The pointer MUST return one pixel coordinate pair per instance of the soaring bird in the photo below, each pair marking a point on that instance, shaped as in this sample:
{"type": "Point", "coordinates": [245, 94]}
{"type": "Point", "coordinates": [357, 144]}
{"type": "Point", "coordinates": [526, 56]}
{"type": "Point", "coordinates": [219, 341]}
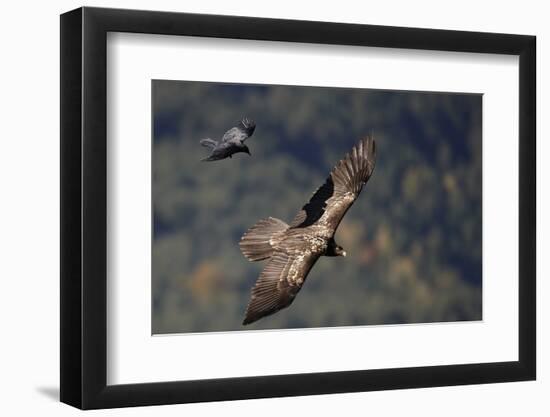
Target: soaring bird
{"type": "Point", "coordinates": [292, 249]}
{"type": "Point", "coordinates": [231, 142]}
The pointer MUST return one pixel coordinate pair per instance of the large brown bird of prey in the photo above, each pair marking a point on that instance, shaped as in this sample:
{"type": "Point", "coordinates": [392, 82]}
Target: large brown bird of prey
{"type": "Point", "coordinates": [292, 249]}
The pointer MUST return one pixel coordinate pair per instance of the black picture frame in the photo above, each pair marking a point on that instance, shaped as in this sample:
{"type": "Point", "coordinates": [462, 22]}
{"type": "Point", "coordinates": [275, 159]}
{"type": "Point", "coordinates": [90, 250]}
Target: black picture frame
{"type": "Point", "coordinates": [84, 207]}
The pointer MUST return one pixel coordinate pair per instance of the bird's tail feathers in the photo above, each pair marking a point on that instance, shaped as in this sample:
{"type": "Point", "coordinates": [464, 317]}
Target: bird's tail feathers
{"type": "Point", "coordinates": [208, 143]}
{"type": "Point", "coordinates": [256, 243]}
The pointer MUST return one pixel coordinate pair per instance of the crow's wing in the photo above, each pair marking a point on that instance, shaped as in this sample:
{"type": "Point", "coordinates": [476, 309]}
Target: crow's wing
{"type": "Point", "coordinates": [234, 135]}
{"type": "Point", "coordinates": [331, 201]}
{"type": "Point", "coordinates": [278, 284]}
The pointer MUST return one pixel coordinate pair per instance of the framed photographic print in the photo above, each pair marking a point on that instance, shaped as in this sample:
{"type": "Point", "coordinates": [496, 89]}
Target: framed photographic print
{"type": "Point", "coordinates": [258, 208]}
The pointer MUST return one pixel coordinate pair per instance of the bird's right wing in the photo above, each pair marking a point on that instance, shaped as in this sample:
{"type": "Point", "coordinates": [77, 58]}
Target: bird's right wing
{"type": "Point", "coordinates": [233, 135]}
{"type": "Point", "coordinates": [278, 284]}
{"type": "Point", "coordinates": [331, 201]}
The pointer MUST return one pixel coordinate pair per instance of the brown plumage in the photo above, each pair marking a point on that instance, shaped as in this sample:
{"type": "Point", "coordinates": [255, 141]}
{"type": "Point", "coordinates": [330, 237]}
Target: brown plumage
{"type": "Point", "coordinates": [293, 249]}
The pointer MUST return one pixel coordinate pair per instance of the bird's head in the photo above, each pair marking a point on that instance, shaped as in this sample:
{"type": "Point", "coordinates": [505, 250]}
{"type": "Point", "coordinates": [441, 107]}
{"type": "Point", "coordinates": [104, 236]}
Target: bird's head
{"type": "Point", "coordinates": [248, 125]}
{"type": "Point", "coordinates": [339, 251]}
{"type": "Point", "coordinates": [334, 249]}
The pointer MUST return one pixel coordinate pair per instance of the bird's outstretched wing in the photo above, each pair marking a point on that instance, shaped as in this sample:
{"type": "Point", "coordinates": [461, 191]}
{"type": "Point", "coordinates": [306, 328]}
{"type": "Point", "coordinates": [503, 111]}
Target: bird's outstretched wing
{"type": "Point", "coordinates": [244, 129]}
{"type": "Point", "coordinates": [232, 135]}
{"type": "Point", "coordinates": [278, 284]}
{"type": "Point", "coordinates": [331, 201]}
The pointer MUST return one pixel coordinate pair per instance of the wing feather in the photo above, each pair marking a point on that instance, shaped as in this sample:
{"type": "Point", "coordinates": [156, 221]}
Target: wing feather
{"type": "Point", "coordinates": [233, 135]}
{"type": "Point", "coordinates": [331, 201]}
{"type": "Point", "coordinates": [278, 284]}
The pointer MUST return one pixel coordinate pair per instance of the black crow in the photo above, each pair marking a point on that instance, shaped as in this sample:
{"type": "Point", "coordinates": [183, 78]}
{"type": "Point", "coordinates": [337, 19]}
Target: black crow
{"type": "Point", "coordinates": [232, 141]}
{"type": "Point", "coordinates": [293, 249]}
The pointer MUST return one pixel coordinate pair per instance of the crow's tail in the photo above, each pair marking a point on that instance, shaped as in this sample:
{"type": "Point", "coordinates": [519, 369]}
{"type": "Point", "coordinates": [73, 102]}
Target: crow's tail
{"type": "Point", "coordinates": [208, 143]}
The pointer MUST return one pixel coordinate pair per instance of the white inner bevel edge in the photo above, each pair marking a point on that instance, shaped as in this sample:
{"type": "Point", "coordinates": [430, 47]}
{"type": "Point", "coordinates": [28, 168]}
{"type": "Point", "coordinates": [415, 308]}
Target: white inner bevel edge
{"type": "Point", "coordinates": [135, 356]}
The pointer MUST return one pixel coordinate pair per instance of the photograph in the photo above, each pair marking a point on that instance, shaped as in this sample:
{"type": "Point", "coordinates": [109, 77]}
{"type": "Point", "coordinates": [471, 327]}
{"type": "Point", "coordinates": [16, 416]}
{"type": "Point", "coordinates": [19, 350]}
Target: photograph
{"type": "Point", "coordinates": [314, 209]}
{"type": "Point", "coordinates": [291, 207]}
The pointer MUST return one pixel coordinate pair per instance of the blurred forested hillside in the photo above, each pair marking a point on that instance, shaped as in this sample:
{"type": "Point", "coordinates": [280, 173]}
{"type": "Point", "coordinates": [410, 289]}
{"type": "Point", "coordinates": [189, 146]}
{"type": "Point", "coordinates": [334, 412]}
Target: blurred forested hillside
{"type": "Point", "coordinates": [413, 237]}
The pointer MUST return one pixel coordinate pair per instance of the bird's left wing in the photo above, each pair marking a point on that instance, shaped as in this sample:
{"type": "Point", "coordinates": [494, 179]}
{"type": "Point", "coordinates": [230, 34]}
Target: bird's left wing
{"type": "Point", "coordinates": [331, 201]}
{"type": "Point", "coordinates": [278, 284]}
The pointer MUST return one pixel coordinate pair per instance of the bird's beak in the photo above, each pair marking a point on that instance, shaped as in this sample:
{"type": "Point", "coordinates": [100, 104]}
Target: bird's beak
{"type": "Point", "coordinates": [344, 253]}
